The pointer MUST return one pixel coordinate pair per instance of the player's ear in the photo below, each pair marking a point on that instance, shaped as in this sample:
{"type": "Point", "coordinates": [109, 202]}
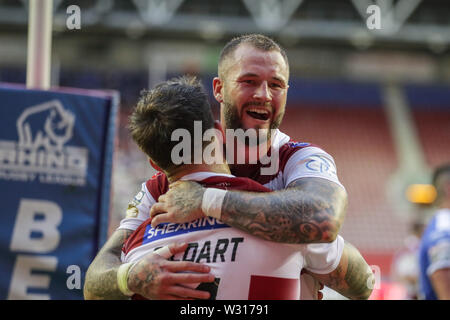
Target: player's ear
{"type": "Point", "coordinates": [217, 89]}
{"type": "Point", "coordinates": [154, 165]}
{"type": "Point", "coordinates": [219, 127]}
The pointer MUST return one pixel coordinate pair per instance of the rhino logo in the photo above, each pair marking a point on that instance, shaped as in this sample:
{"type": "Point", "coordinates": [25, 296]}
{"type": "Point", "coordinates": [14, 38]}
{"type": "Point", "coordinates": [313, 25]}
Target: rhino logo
{"type": "Point", "coordinates": [46, 125]}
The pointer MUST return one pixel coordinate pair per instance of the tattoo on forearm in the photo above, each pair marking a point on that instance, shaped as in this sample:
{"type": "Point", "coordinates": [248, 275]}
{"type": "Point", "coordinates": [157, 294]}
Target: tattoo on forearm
{"type": "Point", "coordinates": [309, 210]}
{"type": "Point", "coordinates": [147, 275]}
{"type": "Point", "coordinates": [352, 278]}
{"type": "Point", "coordinates": [101, 277]}
{"type": "Point", "coordinates": [188, 204]}
{"type": "Point", "coordinates": [358, 277]}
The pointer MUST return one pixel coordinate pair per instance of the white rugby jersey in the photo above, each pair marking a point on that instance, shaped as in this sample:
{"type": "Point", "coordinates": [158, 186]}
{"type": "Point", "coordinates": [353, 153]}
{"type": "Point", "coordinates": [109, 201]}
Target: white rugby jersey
{"type": "Point", "coordinates": [295, 160]}
{"type": "Point", "coordinates": [245, 267]}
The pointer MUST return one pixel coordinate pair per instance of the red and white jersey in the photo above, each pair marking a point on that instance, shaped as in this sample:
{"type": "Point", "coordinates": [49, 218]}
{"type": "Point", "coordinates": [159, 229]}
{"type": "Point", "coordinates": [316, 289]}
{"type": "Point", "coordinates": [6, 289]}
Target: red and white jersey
{"type": "Point", "coordinates": [245, 267]}
{"type": "Point", "coordinates": [295, 160]}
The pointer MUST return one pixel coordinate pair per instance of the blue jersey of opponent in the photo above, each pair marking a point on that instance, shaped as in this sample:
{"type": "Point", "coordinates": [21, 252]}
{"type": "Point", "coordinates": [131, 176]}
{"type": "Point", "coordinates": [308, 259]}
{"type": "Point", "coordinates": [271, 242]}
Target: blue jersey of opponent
{"type": "Point", "coordinates": [434, 252]}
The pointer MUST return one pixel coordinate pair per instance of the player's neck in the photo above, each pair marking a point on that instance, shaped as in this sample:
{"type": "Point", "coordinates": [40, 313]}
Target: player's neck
{"type": "Point", "coordinates": [188, 169]}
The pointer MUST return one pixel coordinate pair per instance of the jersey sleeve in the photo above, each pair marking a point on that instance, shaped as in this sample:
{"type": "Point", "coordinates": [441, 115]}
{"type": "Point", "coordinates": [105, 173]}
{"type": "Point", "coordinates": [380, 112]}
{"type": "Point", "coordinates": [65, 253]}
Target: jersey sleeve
{"type": "Point", "coordinates": [439, 248]}
{"type": "Point", "coordinates": [138, 209]}
{"type": "Point", "coordinates": [323, 258]}
{"type": "Point", "coordinates": [310, 162]}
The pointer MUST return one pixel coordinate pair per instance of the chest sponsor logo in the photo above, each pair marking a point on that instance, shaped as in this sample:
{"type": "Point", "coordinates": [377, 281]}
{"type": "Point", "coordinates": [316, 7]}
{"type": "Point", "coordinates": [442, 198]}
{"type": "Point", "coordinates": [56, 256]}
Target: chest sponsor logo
{"type": "Point", "coordinates": [174, 229]}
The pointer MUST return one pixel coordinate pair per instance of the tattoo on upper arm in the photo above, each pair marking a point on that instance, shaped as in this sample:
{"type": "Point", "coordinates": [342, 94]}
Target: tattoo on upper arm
{"type": "Point", "coordinates": [117, 240]}
{"type": "Point", "coordinates": [309, 210]}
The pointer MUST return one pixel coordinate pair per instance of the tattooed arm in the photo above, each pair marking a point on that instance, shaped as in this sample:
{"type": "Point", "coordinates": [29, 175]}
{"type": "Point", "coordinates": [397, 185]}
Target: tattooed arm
{"type": "Point", "coordinates": [352, 278]}
{"type": "Point", "coordinates": [101, 276]}
{"type": "Point", "coordinates": [153, 277]}
{"type": "Point", "coordinates": [309, 210]}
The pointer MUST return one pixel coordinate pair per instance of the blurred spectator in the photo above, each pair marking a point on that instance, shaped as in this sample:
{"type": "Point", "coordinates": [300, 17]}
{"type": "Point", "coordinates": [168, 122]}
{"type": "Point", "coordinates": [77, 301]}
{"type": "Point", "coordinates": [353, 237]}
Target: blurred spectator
{"type": "Point", "coordinates": [434, 254]}
{"type": "Point", "coordinates": [405, 264]}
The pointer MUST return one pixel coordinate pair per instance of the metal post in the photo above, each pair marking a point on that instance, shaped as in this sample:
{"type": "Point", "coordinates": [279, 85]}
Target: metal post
{"type": "Point", "coordinates": [39, 44]}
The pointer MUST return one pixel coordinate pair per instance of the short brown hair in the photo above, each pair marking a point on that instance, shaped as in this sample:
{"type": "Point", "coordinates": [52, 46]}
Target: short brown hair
{"type": "Point", "coordinates": [258, 41]}
{"type": "Point", "coordinates": [171, 105]}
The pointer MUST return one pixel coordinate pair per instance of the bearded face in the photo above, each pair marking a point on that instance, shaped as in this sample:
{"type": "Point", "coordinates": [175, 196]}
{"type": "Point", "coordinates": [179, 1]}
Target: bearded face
{"type": "Point", "coordinates": [232, 120]}
{"type": "Point", "coordinates": [254, 90]}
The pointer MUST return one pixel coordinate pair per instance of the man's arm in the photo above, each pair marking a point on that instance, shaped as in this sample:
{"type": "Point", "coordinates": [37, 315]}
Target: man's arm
{"type": "Point", "coordinates": [438, 253]}
{"type": "Point", "coordinates": [309, 210]}
{"type": "Point", "coordinates": [153, 277]}
{"type": "Point", "coordinates": [101, 276]}
{"type": "Point", "coordinates": [352, 278]}
{"type": "Point", "coordinates": [440, 279]}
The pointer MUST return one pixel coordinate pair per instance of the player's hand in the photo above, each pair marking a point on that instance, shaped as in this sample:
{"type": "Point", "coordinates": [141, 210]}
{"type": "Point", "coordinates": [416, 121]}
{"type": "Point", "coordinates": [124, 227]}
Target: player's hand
{"type": "Point", "coordinates": [182, 203]}
{"type": "Point", "coordinates": [156, 278]}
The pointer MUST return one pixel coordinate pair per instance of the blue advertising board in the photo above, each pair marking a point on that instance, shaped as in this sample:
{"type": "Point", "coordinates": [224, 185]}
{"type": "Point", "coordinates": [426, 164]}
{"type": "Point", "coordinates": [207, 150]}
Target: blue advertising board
{"type": "Point", "coordinates": [56, 151]}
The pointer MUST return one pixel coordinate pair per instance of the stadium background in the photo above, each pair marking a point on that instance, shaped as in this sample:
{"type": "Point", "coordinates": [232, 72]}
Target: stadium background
{"type": "Point", "coordinates": [377, 100]}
